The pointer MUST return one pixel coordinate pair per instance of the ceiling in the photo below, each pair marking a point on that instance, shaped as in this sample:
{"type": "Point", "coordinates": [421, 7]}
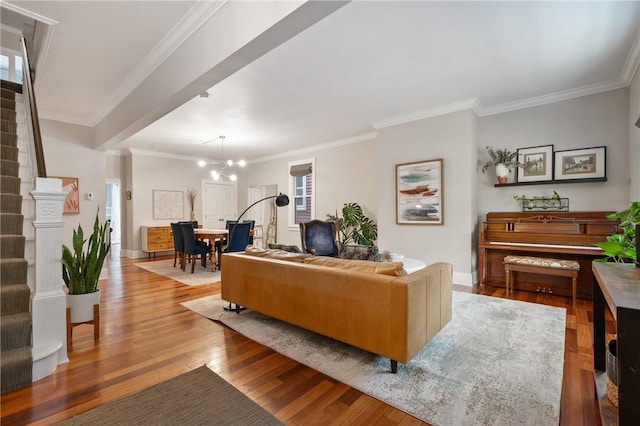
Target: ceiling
{"type": "Point", "coordinates": [368, 65]}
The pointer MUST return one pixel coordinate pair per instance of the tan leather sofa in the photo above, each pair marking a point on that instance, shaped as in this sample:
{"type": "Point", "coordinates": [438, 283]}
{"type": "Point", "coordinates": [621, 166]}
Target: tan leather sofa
{"type": "Point", "coordinates": [393, 316]}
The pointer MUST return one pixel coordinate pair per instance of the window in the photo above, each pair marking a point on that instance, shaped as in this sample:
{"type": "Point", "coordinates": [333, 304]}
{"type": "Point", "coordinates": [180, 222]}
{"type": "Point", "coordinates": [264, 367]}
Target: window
{"type": "Point", "coordinates": [302, 191]}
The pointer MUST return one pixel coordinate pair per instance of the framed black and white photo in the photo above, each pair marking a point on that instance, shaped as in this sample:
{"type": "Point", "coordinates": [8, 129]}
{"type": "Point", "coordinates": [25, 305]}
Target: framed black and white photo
{"type": "Point", "coordinates": [536, 163]}
{"type": "Point", "coordinates": [585, 163]}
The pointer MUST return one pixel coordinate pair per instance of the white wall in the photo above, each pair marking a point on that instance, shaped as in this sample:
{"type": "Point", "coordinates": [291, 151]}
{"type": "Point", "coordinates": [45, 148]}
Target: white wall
{"type": "Point", "coordinates": [154, 172]}
{"type": "Point", "coordinates": [452, 138]}
{"type": "Point", "coordinates": [589, 121]}
{"type": "Point", "coordinates": [634, 138]}
{"type": "Point", "coordinates": [67, 154]}
{"type": "Point", "coordinates": [343, 174]}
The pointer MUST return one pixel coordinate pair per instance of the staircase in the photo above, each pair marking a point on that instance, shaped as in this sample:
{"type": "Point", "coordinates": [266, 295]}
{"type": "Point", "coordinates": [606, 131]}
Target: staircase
{"type": "Point", "coordinates": [15, 295]}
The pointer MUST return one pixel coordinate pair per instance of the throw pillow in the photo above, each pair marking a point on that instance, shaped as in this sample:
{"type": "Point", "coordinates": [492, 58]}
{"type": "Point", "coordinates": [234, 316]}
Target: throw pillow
{"type": "Point", "coordinates": [355, 251]}
{"type": "Point", "coordinates": [386, 268]}
{"type": "Point", "coordinates": [292, 249]}
{"type": "Point", "coordinates": [275, 254]}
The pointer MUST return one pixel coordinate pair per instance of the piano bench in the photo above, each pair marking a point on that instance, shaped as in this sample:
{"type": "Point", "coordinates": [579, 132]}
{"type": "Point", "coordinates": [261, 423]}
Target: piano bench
{"type": "Point", "coordinates": [541, 265]}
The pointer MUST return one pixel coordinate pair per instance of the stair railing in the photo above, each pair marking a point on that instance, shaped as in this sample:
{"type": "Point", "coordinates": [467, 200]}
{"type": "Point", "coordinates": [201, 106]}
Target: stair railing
{"type": "Point", "coordinates": [33, 126]}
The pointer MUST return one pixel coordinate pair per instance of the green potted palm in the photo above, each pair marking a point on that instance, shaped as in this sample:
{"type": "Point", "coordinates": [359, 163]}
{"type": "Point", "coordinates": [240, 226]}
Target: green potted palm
{"type": "Point", "coordinates": [357, 234]}
{"type": "Point", "coordinates": [81, 270]}
{"type": "Point", "coordinates": [621, 247]}
{"type": "Point", "coordinates": [503, 161]}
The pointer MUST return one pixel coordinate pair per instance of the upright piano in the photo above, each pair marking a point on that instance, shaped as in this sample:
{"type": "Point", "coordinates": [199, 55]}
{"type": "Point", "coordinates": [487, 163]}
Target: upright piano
{"type": "Point", "coordinates": [558, 235]}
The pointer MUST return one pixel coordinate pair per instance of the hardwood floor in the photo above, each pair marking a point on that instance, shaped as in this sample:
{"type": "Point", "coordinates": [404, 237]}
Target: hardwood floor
{"type": "Point", "coordinates": [148, 337]}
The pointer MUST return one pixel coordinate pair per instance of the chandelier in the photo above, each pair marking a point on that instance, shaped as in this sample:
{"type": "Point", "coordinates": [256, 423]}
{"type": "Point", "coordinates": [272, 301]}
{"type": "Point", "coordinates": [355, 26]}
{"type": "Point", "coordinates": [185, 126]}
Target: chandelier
{"type": "Point", "coordinates": [219, 170]}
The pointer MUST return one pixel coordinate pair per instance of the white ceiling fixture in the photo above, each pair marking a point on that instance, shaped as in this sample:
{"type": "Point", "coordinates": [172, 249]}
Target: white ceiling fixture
{"type": "Point", "coordinates": [218, 173]}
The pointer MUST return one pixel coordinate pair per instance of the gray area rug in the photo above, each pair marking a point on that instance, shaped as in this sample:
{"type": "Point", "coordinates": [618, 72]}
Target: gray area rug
{"type": "Point", "coordinates": [199, 397]}
{"type": "Point", "coordinates": [499, 361]}
{"type": "Point", "coordinates": [200, 276]}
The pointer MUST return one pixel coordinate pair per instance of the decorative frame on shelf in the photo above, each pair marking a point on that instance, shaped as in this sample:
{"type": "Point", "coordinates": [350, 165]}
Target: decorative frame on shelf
{"type": "Point", "coordinates": [537, 163]}
{"type": "Point", "coordinates": [70, 186]}
{"type": "Point", "coordinates": [419, 193]}
{"type": "Point", "coordinates": [168, 204]}
{"type": "Point", "coordinates": [585, 163]}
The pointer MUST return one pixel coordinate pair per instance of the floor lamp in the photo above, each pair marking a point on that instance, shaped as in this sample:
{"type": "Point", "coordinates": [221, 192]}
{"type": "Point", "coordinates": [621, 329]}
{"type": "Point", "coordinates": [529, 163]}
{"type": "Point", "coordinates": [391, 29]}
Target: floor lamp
{"type": "Point", "coordinates": [281, 201]}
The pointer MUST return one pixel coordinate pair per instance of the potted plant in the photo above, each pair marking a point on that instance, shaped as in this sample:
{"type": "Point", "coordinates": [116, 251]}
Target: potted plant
{"type": "Point", "coordinates": [503, 160]}
{"type": "Point", "coordinates": [354, 227]}
{"type": "Point", "coordinates": [81, 270]}
{"type": "Point", "coordinates": [621, 247]}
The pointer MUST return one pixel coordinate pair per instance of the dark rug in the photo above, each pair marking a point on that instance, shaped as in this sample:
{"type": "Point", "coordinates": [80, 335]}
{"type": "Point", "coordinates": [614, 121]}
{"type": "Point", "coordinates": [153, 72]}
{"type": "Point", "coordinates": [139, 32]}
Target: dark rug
{"type": "Point", "coordinates": [199, 397]}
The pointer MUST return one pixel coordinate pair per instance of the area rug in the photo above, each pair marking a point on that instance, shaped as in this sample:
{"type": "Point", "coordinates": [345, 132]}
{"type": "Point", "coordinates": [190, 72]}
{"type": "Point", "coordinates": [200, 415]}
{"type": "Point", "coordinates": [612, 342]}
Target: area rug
{"type": "Point", "coordinates": [200, 276]}
{"type": "Point", "coordinates": [199, 397]}
{"type": "Point", "coordinates": [497, 362]}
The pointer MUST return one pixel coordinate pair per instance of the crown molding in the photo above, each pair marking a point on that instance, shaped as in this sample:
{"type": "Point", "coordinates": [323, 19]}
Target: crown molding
{"type": "Point", "coordinates": [157, 154]}
{"type": "Point", "coordinates": [54, 116]}
{"type": "Point", "coordinates": [28, 13]}
{"type": "Point", "coordinates": [321, 147]}
{"type": "Point", "coordinates": [428, 113]}
{"type": "Point", "coordinates": [553, 97]}
{"type": "Point", "coordinates": [44, 33]}
{"type": "Point", "coordinates": [633, 60]}
{"type": "Point", "coordinates": [11, 30]}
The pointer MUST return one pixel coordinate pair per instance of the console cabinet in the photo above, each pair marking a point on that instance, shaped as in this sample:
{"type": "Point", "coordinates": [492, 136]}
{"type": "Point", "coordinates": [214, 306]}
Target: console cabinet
{"type": "Point", "coordinates": [156, 238]}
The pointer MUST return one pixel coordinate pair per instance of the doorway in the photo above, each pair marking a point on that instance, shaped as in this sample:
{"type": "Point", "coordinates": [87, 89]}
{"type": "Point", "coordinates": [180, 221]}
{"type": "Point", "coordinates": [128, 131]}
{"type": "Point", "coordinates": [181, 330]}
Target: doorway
{"type": "Point", "coordinates": [218, 204]}
{"type": "Point", "coordinates": [113, 207]}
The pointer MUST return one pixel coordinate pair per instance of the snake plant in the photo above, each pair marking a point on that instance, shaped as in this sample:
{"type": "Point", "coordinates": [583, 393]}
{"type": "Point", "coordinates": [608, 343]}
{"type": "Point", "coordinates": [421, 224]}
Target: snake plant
{"type": "Point", "coordinates": [80, 269]}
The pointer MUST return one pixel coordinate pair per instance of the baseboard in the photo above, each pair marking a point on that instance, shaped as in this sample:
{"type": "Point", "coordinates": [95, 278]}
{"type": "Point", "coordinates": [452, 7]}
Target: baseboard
{"type": "Point", "coordinates": [463, 278]}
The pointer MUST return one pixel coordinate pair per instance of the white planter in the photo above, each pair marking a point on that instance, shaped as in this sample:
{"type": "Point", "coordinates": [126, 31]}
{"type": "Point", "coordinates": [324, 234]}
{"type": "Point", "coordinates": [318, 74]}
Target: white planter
{"type": "Point", "coordinates": [502, 173]}
{"type": "Point", "coordinates": [82, 306]}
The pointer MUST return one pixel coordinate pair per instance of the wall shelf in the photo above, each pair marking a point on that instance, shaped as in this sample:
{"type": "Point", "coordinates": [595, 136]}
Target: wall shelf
{"type": "Point", "coordinates": [552, 182]}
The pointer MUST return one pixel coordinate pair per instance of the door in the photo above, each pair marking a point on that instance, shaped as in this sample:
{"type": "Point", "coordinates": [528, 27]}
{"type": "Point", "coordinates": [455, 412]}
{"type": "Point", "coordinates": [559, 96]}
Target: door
{"type": "Point", "coordinates": [219, 204]}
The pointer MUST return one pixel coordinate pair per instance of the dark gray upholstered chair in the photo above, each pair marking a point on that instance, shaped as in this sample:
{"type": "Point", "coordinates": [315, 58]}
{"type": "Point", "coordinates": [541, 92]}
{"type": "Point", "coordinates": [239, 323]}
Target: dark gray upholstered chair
{"type": "Point", "coordinates": [178, 245]}
{"type": "Point", "coordinates": [192, 247]}
{"type": "Point", "coordinates": [319, 238]}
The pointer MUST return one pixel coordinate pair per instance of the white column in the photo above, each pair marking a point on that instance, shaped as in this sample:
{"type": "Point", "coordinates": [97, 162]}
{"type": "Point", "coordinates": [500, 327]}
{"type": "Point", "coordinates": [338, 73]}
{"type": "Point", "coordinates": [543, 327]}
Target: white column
{"type": "Point", "coordinates": [49, 301]}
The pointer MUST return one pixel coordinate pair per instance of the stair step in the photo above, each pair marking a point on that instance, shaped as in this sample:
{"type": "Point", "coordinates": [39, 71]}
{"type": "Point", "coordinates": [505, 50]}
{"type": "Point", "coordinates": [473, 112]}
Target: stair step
{"type": "Point", "coordinates": [10, 184]}
{"type": "Point", "coordinates": [14, 299]}
{"type": "Point", "coordinates": [8, 126]}
{"type": "Point", "coordinates": [11, 224]}
{"type": "Point", "coordinates": [16, 367]}
{"type": "Point", "coordinates": [15, 331]}
{"type": "Point", "coordinates": [9, 168]}
{"type": "Point", "coordinates": [9, 139]}
{"type": "Point", "coordinates": [8, 152]}
{"type": "Point", "coordinates": [13, 270]}
{"type": "Point", "coordinates": [11, 85]}
{"type": "Point", "coordinates": [11, 246]}
{"type": "Point", "coordinates": [8, 104]}
{"type": "Point", "coordinates": [8, 94]}
{"type": "Point", "coordinates": [8, 115]}
{"type": "Point", "coordinates": [11, 203]}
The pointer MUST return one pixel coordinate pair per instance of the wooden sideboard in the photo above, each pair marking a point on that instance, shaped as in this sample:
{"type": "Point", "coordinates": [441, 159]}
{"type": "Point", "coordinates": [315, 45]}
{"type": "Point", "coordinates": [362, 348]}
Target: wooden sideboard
{"type": "Point", "coordinates": [617, 286]}
{"type": "Point", "coordinates": [156, 238]}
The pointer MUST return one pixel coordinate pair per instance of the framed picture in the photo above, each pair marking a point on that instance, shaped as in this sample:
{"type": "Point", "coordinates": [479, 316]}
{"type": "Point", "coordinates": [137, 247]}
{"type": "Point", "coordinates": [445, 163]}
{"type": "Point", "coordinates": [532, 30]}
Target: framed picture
{"type": "Point", "coordinates": [419, 193]}
{"type": "Point", "coordinates": [168, 204]}
{"type": "Point", "coordinates": [71, 203]}
{"type": "Point", "coordinates": [586, 163]}
{"type": "Point", "coordinates": [537, 163]}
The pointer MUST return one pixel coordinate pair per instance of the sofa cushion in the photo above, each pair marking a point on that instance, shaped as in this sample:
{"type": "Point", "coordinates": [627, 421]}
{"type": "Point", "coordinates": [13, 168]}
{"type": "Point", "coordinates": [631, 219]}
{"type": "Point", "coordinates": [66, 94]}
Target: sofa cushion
{"type": "Point", "coordinates": [292, 249]}
{"type": "Point", "coordinates": [385, 268]}
{"type": "Point", "coordinates": [275, 254]}
{"type": "Point", "coordinates": [355, 251]}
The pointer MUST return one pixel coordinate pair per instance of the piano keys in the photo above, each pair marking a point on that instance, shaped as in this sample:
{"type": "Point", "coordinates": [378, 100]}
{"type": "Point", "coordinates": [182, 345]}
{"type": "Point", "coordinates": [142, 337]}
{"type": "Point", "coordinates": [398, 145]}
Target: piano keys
{"type": "Point", "coordinates": [559, 235]}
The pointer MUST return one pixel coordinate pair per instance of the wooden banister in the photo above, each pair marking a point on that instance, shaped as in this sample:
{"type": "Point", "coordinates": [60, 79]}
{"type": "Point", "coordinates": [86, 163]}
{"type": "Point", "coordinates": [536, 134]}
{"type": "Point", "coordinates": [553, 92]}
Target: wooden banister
{"type": "Point", "coordinates": [33, 111]}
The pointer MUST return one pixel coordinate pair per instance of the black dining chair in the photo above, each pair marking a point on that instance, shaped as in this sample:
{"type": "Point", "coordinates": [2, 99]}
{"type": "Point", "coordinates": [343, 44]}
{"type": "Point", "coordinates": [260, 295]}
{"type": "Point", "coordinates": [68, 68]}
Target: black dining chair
{"type": "Point", "coordinates": [319, 238]}
{"type": "Point", "coordinates": [193, 247]}
{"type": "Point", "coordinates": [178, 245]}
{"type": "Point", "coordinates": [238, 239]}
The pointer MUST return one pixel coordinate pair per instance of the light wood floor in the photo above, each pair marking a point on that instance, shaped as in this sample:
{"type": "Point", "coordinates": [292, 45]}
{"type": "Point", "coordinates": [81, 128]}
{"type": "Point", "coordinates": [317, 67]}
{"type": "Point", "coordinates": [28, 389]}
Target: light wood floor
{"type": "Point", "coordinates": [148, 337]}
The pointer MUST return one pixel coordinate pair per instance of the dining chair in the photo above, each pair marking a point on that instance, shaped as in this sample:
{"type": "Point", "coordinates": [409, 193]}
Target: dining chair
{"type": "Point", "coordinates": [319, 238]}
{"type": "Point", "coordinates": [193, 247]}
{"type": "Point", "coordinates": [253, 224]}
{"type": "Point", "coordinates": [178, 245]}
{"type": "Point", "coordinates": [236, 242]}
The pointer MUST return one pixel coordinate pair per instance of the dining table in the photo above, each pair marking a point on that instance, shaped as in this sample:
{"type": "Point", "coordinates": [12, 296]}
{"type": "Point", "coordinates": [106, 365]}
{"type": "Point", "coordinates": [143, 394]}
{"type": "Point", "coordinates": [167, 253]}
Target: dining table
{"type": "Point", "coordinates": [213, 235]}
